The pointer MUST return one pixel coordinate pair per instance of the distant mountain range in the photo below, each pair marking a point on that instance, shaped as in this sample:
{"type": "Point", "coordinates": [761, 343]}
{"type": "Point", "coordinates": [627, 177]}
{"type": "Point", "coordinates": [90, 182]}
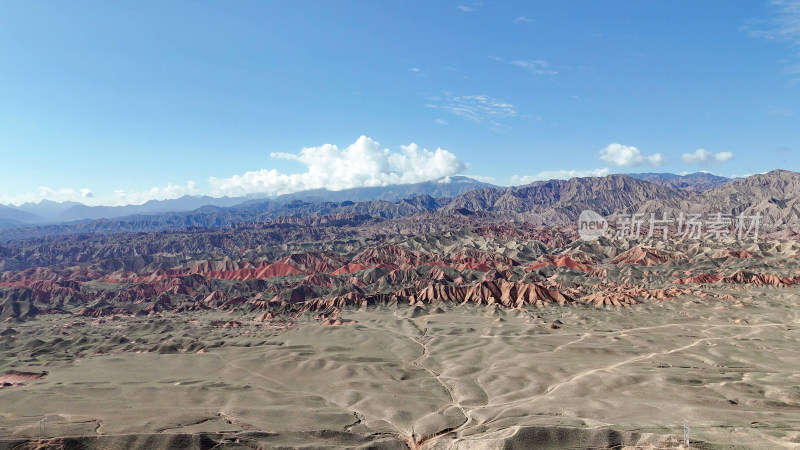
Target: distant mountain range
{"type": "Point", "coordinates": [13, 217]}
{"type": "Point", "coordinates": [50, 212]}
{"type": "Point", "coordinates": [695, 182]}
{"type": "Point", "coordinates": [774, 195]}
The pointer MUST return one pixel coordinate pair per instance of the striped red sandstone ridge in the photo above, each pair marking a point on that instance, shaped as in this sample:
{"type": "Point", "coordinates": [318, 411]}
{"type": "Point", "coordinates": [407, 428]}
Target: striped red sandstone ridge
{"type": "Point", "coordinates": [647, 256]}
{"type": "Point", "coordinates": [741, 277]}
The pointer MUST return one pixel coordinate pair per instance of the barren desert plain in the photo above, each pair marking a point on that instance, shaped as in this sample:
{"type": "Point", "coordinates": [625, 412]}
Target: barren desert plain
{"type": "Point", "coordinates": [442, 330]}
{"type": "Point", "coordinates": [447, 376]}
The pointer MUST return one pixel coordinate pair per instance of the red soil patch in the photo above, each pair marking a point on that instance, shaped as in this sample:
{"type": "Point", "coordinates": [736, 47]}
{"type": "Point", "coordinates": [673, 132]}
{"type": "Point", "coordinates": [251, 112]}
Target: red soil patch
{"type": "Point", "coordinates": [16, 378]}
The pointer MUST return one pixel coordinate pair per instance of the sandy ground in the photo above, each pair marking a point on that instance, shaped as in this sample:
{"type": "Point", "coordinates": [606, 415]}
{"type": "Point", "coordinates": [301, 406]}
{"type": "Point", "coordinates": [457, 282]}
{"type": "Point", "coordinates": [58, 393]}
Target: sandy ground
{"type": "Point", "coordinates": [436, 377]}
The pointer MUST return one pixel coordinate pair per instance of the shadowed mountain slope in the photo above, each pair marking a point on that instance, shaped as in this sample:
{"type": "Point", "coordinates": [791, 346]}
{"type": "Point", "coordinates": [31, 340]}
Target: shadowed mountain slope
{"type": "Point", "coordinates": [693, 182]}
{"type": "Point", "coordinates": [774, 195]}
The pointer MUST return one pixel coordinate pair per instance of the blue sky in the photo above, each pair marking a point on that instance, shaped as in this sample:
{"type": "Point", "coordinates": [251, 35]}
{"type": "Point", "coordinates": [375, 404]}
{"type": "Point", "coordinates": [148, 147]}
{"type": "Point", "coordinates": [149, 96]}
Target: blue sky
{"type": "Point", "coordinates": [110, 103]}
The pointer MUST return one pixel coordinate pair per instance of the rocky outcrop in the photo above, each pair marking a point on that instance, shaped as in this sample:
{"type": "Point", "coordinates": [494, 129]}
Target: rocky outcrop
{"type": "Point", "coordinates": [500, 257]}
{"type": "Point", "coordinates": [646, 256]}
{"type": "Point", "coordinates": [701, 278]}
{"type": "Point", "coordinates": [499, 292]}
{"type": "Point", "coordinates": [613, 294]}
{"type": "Point", "coordinates": [575, 261]}
{"type": "Point", "coordinates": [726, 253]}
{"type": "Point", "coordinates": [741, 277]}
{"type": "Point", "coordinates": [17, 310]}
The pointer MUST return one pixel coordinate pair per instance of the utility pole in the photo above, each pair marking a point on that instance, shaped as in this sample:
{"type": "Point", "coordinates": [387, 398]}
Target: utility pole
{"type": "Point", "coordinates": [43, 426]}
{"type": "Point", "coordinates": [686, 431]}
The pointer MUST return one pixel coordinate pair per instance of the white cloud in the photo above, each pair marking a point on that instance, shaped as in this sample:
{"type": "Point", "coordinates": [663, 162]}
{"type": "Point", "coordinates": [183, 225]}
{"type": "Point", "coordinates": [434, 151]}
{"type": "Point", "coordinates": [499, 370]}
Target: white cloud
{"type": "Point", "coordinates": [704, 157]}
{"type": "Point", "coordinates": [522, 19]}
{"type": "Point", "coordinates": [780, 112]}
{"type": "Point", "coordinates": [472, 7]}
{"type": "Point", "coordinates": [480, 109]}
{"type": "Point", "coordinates": [517, 180]}
{"type": "Point", "coordinates": [537, 66]}
{"type": "Point", "coordinates": [783, 26]}
{"type": "Point", "coordinates": [624, 155]}
{"type": "Point", "coordinates": [441, 121]}
{"type": "Point", "coordinates": [414, 69]}
{"type": "Point", "coordinates": [44, 192]}
{"type": "Point", "coordinates": [363, 163]}
{"type": "Point", "coordinates": [88, 197]}
{"type": "Point", "coordinates": [169, 191]}
{"type": "Point", "coordinates": [483, 179]}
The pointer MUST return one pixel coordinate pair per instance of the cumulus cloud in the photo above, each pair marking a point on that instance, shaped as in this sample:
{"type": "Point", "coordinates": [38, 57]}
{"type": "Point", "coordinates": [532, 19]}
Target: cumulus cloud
{"type": "Point", "coordinates": [517, 180]}
{"type": "Point", "coordinates": [362, 164]}
{"type": "Point", "coordinates": [536, 66]}
{"type": "Point", "coordinates": [522, 19]}
{"type": "Point", "coordinates": [704, 157]}
{"type": "Point", "coordinates": [624, 155]}
{"type": "Point", "coordinates": [481, 109]}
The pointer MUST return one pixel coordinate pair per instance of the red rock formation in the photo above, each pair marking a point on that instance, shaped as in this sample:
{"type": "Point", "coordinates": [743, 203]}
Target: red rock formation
{"type": "Point", "coordinates": [266, 317]}
{"type": "Point", "coordinates": [351, 299]}
{"type": "Point", "coordinates": [759, 279]}
{"type": "Point", "coordinates": [318, 279]}
{"type": "Point", "coordinates": [226, 270]}
{"type": "Point", "coordinates": [348, 268]}
{"type": "Point", "coordinates": [214, 297]}
{"type": "Point", "coordinates": [315, 262]}
{"type": "Point", "coordinates": [646, 256]}
{"type": "Point", "coordinates": [599, 273]}
{"type": "Point", "coordinates": [725, 253]}
{"type": "Point", "coordinates": [234, 301]}
{"type": "Point", "coordinates": [355, 281]}
{"type": "Point", "coordinates": [741, 277]}
{"type": "Point", "coordinates": [576, 261]}
{"type": "Point", "coordinates": [262, 271]}
{"type": "Point", "coordinates": [613, 294]}
{"type": "Point", "coordinates": [502, 292]}
{"type": "Point", "coordinates": [701, 278]}
{"type": "Point", "coordinates": [16, 378]}
{"type": "Point", "coordinates": [392, 255]}
{"type": "Point", "coordinates": [223, 324]}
